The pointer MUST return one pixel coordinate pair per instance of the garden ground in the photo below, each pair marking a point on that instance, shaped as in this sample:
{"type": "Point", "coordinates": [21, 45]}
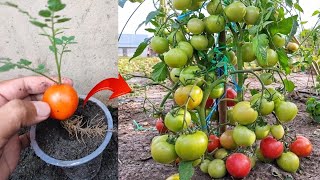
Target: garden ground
{"type": "Point", "coordinates": [135, 160]}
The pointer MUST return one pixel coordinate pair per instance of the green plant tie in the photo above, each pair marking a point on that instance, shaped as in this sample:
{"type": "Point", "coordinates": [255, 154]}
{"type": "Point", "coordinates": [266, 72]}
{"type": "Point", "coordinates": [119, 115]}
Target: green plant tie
{"type": "Point", "coordinates": [138, 127]}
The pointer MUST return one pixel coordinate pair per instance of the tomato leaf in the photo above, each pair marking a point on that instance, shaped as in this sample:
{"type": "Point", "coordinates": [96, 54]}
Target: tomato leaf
{"type": "Point", "coordinates": [41, 68]}
{"type": "Point", "coordinates": [298, 7]}
{"type": "Point", "coordinates": [289, 3]}
{"type": "Point", "coordinates": [38, 24]}
{"type": "Point", "coordinates": [160, 72]}
{"type": "Point", "coordinates": [316, 12]}
{"type": "Point", "coordinates": [260, 45]}
{"type": "Point", "coordinates": [55, 5]}
{"type": "Point", "coordinates": [45, 13]}
{"type": "Point", "coordinates": [285, 26]}
{"type": "Point", "coordinates": [24, 62]}
{"type": "Point", "coordinates": [7, 67]}
{"type": "Point", "coordinates": [186, 170]}
{"type": "Point", "coordinates": [289, 85]}
{"type": "Point", "coordinates": [284, 60]}
{"type": "Point", "coordinates": [121, 3]}
{"type": "Point", "coordinates": [142, 46]}
{"type": "Point", "coordinates": [63, 20]}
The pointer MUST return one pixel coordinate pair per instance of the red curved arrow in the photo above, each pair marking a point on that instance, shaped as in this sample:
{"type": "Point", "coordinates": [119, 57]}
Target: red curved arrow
{"type": "Point", "coordinates": [118, 86]}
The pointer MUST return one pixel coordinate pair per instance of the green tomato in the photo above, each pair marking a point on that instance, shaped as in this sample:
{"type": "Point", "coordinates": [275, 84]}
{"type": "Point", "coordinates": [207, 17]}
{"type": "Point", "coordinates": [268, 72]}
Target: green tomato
{"type": "Point", "coordinates": [190, 74]}
{"type": "Point", "coordinates": [232, 57]}
{"type": "Point", "coordinates": [195, 5]}
{"type": "Point", "coordinates": [248, 54]}
{"type": "Point", "coordinates": [175, 74]}
{"type": "Point", "coordinates": [272, 59]}
{"type": "Point", "coordinates": [243, 113]}
{"type": "Point", "coordinates": [162, 151]}
{"type": "Point", "coordinates": [214, 7]}
{"type": "Point", "coordinates": [289, 162]}
{"type": "Point", "coordinates": [266, 106]}
{"type": "Point", "coordinates": [199, 42]}
{"type": "Point", "coordinates": [235, 11]}
{"type": "Point", "coordinates": [277, 131]}
{"type": "Point", "coordinates": [186, 47]}
{"type": "Point", "coordinates": [159, 44]}
{"type": "Point", "coordinates": [262, 131]}
{"type": "Point", "coordinates": [214, 24]}
{"type": "Point", "coordinates": [195, 26]}
{"type": "Point", "coordinates": [217, 91]}
{"type": "Point", "coordinates": [183, 93]}
{"type": "Point", "coordinates": [276, 96]}
{"type": "Point", "coordinates": [260, 156]}
{"type": "Point", "coordinates": [286, 111]}
{"type": "Point", "coordinates": [191, 146]}
{"type": "Point", "coordinates": [210, 38]}
{"type": "Point", "coordinates": [252, 15]}
{"type": "Point", "coordinates": [278, 40]}
{"type": "Point", "coordinates": [176, 37]}
{"type": "Point", "coordinates": [196, 162]}
{"type": "Point", "coordinates": [243, 136]}
{"type": "Point", "coordinates": [230, 117]}
{"type": "Point", "coordinates": [204, 166]}
{"type": "Point", "coordinates": [175, 58]}
{"type": "Point", "coordinates": [221, 153]}
{"type": "Point", "coordinates": [217, 168]}
{"type": "Point", "coordinates": [174, 120]}
{"type": "Point", "coordinates": [266, 78]}
{"type": "Point", "coordinates": [181, 4]}
{"type": "Point", "coordinates": [253, 160]}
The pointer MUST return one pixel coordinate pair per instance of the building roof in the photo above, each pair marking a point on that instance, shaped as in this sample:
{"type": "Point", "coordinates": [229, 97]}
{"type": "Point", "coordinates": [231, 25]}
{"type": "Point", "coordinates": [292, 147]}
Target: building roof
{"type": "Point", "coordinates": [131, 40]}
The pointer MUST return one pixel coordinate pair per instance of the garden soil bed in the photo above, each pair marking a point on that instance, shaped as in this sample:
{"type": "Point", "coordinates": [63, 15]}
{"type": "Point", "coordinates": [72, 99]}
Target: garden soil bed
{"type": "Point", "coordinates": [135, 162]}
{"type": "Point", "coordinates": [33, 168]}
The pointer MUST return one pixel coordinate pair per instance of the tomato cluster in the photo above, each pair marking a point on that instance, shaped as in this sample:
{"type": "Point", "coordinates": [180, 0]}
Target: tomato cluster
{"type": "Point", "coordinates": [203, 78]}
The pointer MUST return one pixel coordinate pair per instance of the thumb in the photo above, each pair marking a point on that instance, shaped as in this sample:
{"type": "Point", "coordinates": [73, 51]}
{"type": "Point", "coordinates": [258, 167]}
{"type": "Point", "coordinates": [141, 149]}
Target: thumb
{"type": "Point", "coordinates": [18, 113]}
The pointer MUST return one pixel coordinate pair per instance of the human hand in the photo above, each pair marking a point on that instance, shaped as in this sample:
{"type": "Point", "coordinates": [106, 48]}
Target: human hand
{"type": "Point", "coordinates": [20, 106]}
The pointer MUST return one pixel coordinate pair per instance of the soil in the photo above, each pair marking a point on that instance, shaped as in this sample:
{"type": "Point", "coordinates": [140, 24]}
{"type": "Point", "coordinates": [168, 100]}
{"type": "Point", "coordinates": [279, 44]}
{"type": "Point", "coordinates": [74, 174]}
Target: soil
{"type": "Point", "coordinates": [32, 167]}
{"type": "Point", "coordinates": [135, 162]}
{"type": "Point", "coordinates": [55, 141]}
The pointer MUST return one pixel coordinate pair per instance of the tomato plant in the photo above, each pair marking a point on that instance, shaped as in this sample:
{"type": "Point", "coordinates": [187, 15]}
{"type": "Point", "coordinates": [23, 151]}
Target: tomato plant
{"type": "Point", "coordinates": [224, 50]}
{"type": "Point", "coordinates": [62, 98]}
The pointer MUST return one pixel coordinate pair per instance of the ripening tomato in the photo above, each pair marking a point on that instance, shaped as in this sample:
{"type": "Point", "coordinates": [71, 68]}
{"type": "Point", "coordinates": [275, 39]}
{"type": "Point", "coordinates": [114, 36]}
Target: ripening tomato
{"type": "Point", "coordinates": [174, 120]}
{"type": "Point", "coordinates": [226, 140]}
{"type": "Point", "coordinates": [290, 110]}
{"type": "Point", "coordinates": [175, 58]}
{"type": "Point", "coordinates": [260, 156]}
{"type": "Point", "coordinates": [174, 177]}
{"type": "Point", "coordinates": [243, 113]}
{"type": "Point", "coordinates": [217, 91]}
{"type": "Point", "coordinates": [231, 94]}
{"type": "Point", "coordinates": [238, 165]}
{"type": "Point", "coordinates": [209, 103]}
{"type": "Point", "coordinates": [291, 46]}
{"type": "Point", "coordinates": [217, 168]}
{"type": "Point", "coordinates": [235, 11]}
{"type": "Point", "coordinates": [162, 151]}
{"type": "Point", "coordinates": [302, 147]}
{"type": "Point", "coordinates": [262, 131]}
{"type": "Point", "coordinates": [243, 136]}
{"type": "Point", "coordinates": [271, 148]}
{"type": "Point", "coordinates": [214, 143]}
{"type": "Point", "coordinates": [191, 146]}
{"type": "Point", "coordinates": [277, 131]}
{"type": "Point", "coordinates": [161, 127]}
{"type": "Point", "coordinates": [63, 101]}
{"type": "Point", "coordinates": [192, 93]}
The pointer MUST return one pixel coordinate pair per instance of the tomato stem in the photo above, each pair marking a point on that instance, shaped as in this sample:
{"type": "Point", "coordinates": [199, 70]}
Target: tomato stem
{"type": "Point", "coordinates": [55, 50]}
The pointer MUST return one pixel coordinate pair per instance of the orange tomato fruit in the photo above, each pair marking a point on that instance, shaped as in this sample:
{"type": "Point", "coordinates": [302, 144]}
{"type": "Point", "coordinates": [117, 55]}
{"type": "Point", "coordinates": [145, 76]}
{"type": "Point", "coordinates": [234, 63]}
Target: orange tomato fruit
{"type": "Point", "coordinates": [62, 99]}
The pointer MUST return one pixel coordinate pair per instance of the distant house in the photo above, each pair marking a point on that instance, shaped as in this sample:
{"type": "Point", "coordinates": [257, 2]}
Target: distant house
{"type": "Point", "coordinates": [129, 42]}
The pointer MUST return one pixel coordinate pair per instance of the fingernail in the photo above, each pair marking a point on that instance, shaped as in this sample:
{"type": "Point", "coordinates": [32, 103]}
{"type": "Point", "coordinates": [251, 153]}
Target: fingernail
{"type": "Point", "coordinates": [43, 109]}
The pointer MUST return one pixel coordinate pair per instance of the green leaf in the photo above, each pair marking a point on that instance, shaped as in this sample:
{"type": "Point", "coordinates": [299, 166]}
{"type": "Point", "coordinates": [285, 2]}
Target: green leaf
{"type": "Point", "coordinates": [121, 3]}
{"type": "Point", "coordinates": [55, 5]}
{"type": "Point", "coordinates": [39, 24]}
{"type": "Point", "coordinates": [284, 26]}
{"type": "Point", "coordinates": [160, 72]}
{"type": "Point", "coordinates": [186, 170]}
{"type": "Point", "coordinates": [45, 13]}
{"type": "Point", "coordinates": [52, 49]}
{"type": "Point", "coordinates": [316, 12]}
{"type": "Point", "coordinates": [58, 41]}
{"type": "Point", "coordinates": [151, 16]}
{"type": "Point", "coordinates": [283, 60]}
{"type": "Point", "coordinates": [289, 85]}
{"type": "Point", "coordinates": [260, 45]}
{"type": "Point", "coordinates": [71, 38]}
{"type": "Point", "coordinates": [253, 91]}
{"type": "Point", "coordinates": [289, 3]}
{"type": "Point", "coordinates": [24, 62]}
{"type": "Point", "coordinates": [63, 20]}
{"type": "Point", "coordinates": [298, 7]}
{"type": "Point", "coordinates": [7, 67]}
{"type": "Point", "coordinates": [142, 46]}
{"type": "Point", "coordinates": [41, 68]}
{"type": "Point", "coordinates": [150, 30]}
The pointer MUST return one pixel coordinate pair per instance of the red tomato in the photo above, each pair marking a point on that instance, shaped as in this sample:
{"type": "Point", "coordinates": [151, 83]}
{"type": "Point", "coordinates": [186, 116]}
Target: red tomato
{"type": "Point", "coordinates": [214, 143]}
{"type": "Point", "coordinates": [62, 99]}
{"type": "Point", "coordinates": [238, 165]}
{"type": "Point", "coordinates": [271, 148]}
{"type": "Point", "coordinates": [302, 147]}
{"type": "Point", "coordinates": [161, 127]}
{"type": "Point", "coordinates": [209, 103]}
{"type": "Point", "coordinates": [231, 94]}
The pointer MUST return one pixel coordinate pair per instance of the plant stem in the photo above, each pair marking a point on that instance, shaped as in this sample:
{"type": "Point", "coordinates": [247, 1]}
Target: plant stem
{"type": "Point", "coordinates": [240, 64]}
{"type": "Point", "coordinates": [164, 100]}
{"type": "Point", "coordinates": [222, 105]}
{"type": "Point", "coordinates": [30, 69]}
{"type": "Point", "coordinates": [55, 48]}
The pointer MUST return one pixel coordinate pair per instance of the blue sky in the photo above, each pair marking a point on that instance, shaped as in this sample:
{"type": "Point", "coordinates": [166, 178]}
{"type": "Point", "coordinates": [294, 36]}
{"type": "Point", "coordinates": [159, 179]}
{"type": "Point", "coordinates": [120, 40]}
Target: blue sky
{"type": "Point", "coordinates": [309, 7]}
